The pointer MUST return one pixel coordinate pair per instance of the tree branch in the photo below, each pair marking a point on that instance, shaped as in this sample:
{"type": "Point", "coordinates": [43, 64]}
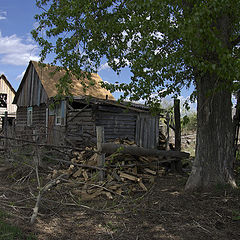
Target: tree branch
{"type": "Point", "coordinates": [235, 42]}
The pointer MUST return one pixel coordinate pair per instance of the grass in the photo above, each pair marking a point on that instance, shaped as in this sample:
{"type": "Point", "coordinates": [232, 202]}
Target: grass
{"type": "Point", "coordinates": [10, 232]}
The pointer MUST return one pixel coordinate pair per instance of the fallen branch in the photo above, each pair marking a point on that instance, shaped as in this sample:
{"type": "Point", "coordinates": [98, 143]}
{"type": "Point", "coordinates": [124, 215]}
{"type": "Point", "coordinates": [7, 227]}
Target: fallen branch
{"type": "Point", "coordinates": [139, 151]}
{"type": "Point", "coordinates": [41, 192]}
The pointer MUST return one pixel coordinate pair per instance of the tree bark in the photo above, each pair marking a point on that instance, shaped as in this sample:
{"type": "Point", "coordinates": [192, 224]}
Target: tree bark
{"type": "Point", "coordinates": [213, 163]}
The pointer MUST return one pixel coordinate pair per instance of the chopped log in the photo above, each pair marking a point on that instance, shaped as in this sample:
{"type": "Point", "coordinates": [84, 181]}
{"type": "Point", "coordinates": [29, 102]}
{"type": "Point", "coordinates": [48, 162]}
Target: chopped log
{"type": "Point", "coordinates": [139, 151]}
{"type": "Point", "coordinates": [115, 175]}
{"type": "Point", "coordinates": [128, 176]}
{"type": "Point", "coordinates": [142, 185]}
{"type": "Point", "coordinates": [77, 173]}
{"type": "Point", "coordinates": [150, 171]}
{"type": "Point", "coordinates": [144, 159]}
{"type": "Point", "coordinates": [85, 175]}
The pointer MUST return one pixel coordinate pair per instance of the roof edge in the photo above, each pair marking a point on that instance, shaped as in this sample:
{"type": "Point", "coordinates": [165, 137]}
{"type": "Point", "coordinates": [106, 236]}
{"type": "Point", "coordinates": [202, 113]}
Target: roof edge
{"type": "Point", "coordinates": [8, 83]}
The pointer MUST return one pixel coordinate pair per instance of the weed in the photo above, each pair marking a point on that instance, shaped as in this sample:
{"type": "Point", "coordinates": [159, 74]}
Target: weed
{"type": "Point", "coordinates": [9, 232]}
{"type": "Point", "coordinates": [235, 215]}
{"type": "Point", "coordinates": [111, 226]}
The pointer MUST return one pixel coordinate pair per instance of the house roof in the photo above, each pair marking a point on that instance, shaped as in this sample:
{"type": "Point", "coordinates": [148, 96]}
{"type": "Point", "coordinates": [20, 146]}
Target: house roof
{"type": "Point", "coordinates": [8, 83]}
{"type": "Point", "coordinates": [50, 80]}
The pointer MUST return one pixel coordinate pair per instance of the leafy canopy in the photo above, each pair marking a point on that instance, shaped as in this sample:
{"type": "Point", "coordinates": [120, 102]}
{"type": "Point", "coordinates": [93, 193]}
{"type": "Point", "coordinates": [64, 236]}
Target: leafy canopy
{"type": "Point", "coordinates": [167, 44]}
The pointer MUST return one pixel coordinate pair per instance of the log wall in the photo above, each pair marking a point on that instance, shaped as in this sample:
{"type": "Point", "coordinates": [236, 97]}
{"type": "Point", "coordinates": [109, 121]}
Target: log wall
{"type": "Point", "coordinates": [38, 127]}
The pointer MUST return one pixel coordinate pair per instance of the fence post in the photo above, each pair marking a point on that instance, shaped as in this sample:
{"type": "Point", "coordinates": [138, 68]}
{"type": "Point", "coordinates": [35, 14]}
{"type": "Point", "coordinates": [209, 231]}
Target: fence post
{"type": "Point", "coordinates": [6, 131]}
{"type": "Point", "coordinates": [177, 165]}
{"type": "Point", "coordinates": [167, 138]}
{"type": "Point", "coordinates": [101, 156]}
{"type": "Point", "coordinates": [177, 125]}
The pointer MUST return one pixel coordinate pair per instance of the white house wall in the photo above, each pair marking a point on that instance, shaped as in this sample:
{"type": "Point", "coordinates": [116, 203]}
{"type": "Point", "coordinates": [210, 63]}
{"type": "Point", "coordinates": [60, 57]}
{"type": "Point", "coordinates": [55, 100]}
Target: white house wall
{"type": "Point", "coordinates": [11, 108]}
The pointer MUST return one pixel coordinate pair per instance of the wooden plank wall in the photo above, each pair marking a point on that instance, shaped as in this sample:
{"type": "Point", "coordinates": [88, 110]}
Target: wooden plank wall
{"type": "Point", "coordinates": [117, 122]}
{"type": "Point", "coordinates": [147, 130]}
{"type": "Point", "coordinates": [80, 125]}
{"type": "Point", "coordinates": [38, 123]}
{"type": "Point", "coordinates": [32, 92]}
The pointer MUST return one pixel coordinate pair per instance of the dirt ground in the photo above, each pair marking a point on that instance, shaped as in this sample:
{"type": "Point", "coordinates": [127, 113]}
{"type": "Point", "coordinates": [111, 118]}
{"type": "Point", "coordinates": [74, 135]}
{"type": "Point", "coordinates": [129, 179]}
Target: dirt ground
{"type": "Point", "coordinates": [165, 211]}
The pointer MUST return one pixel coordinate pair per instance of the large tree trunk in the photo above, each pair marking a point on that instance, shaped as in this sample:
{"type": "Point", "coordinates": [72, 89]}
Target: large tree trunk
{"type": "Point", "coordinates": [214, 146]}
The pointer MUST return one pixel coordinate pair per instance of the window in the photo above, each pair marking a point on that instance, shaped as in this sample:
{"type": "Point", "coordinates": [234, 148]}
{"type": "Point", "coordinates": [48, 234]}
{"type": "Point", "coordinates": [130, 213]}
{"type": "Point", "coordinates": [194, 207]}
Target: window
{"type": "Point", "coordinates": [3, 100]}
{"type": "Point", "coordinates": [60, 113]}
{"type": "Point", "coordinates": [29, 116]}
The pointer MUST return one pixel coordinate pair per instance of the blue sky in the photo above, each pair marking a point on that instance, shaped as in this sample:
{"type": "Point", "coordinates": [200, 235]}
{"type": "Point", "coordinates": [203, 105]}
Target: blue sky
{"type": "Point", "coordinates": [17, 47]}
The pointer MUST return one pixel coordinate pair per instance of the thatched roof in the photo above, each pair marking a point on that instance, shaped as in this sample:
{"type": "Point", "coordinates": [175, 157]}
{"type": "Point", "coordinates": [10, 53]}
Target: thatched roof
{"type": "Point", "coordinates": [50, 80]}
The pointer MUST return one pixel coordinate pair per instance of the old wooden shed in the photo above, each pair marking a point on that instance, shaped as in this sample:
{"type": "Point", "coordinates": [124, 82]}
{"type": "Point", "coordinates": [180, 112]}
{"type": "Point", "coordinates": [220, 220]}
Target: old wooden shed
{"type": "Point", "coordinates": [74, 120]}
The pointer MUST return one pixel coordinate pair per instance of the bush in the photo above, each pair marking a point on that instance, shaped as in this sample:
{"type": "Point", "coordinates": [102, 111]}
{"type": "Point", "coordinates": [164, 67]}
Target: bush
{"type": "Point", "coordinates": [189, 122]}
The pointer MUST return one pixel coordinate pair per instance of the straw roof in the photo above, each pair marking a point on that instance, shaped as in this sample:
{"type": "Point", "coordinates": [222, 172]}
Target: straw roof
{"type": "Point", "coordinates": [50, 80]}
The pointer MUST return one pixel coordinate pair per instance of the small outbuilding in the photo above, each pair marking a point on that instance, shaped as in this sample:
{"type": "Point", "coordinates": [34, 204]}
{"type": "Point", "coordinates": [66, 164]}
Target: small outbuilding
{"type": "Point", "coordinates": [73, 121]}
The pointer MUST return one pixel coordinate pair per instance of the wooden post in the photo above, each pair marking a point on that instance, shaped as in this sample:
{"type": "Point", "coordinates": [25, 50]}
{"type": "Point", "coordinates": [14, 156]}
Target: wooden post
{"type": "Point", "coordinates": [101, 156]}
{"type": "Point", "coordinates": [177, 118]}
{"type": "Point", "coordinates": [177, 125]}
{"type": "Point", "coordinates": [6, 131]}
{"type": "Point", "coordinates": [236, 121]}
{"type": "Point", "coordinates": [167, 138]}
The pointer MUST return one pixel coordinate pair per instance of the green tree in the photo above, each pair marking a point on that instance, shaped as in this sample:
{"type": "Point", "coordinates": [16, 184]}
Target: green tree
{"type": "Point", "coordinates": [167, 44]}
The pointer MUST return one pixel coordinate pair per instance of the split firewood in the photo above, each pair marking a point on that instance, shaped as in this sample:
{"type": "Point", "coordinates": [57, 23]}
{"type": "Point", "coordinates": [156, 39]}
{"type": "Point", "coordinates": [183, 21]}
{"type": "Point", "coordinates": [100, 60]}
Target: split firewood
{"type": "Point", "coordinates": [92, 161]}
{"type": "Point", "coordinates": [142, 185]}
{"type": "Point", "coordinates": [116, 176]}
{"type": "Point", "coordinates": [144, 159]}
{"type": "Point", "coordinates": [109, 178]}
{"type": "Point", "coordinates": [54, 174]}
{"type": "Point", "coordinates": [108, 194]}
{"type": "Point", "coordinates": [74, 160]}
{"type": "Point", "coordinates": [119, 191]}
{"type": "Point", "coordinates": [78, 173]}
{"type": "Point", "coordinates": [128, 142]}
{"type": "Point", "coordinates": [70, 169]}
{"type": "Point", "coordinates": [86, 196]}
{"type": "Point", "coordinates": [128, 176]}
{"type": "Point", "coordinates": [150, 171]}
{"type": "Point", "coordinates": [85, 175]}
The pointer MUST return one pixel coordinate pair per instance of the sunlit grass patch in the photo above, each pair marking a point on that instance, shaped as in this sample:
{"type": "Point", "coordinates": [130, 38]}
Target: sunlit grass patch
{"type": "Point", "coordinates": [10, 232]}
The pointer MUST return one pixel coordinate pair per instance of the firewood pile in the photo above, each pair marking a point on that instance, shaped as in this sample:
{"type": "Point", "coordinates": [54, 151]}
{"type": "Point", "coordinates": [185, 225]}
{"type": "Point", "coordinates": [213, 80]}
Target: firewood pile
{"type": "Point", "coordinates": [124, 173]}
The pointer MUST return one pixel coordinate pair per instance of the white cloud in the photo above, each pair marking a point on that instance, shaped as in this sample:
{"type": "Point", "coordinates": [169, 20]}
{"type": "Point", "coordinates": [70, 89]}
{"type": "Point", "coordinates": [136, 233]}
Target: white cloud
{"type": "Point", "coordinates": [192, 105]}
{"type": "Point", "coordinates": [104, 66]}
{"type": "Point", "coordinates": [14, 51]}
{"type": "Point", "coordinates": [3, 15]}
{"type": "Point", "coordinates": [20, 76]}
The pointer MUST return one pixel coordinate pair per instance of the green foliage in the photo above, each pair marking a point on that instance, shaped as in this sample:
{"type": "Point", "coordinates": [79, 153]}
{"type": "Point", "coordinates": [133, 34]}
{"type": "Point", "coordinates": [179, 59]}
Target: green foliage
{"type": "Point", "coordinates": [189, 122]}
{"type": "Point", "coordinates": [236, 215]}
{"type": "Point", "coordinates": [166, 44]}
